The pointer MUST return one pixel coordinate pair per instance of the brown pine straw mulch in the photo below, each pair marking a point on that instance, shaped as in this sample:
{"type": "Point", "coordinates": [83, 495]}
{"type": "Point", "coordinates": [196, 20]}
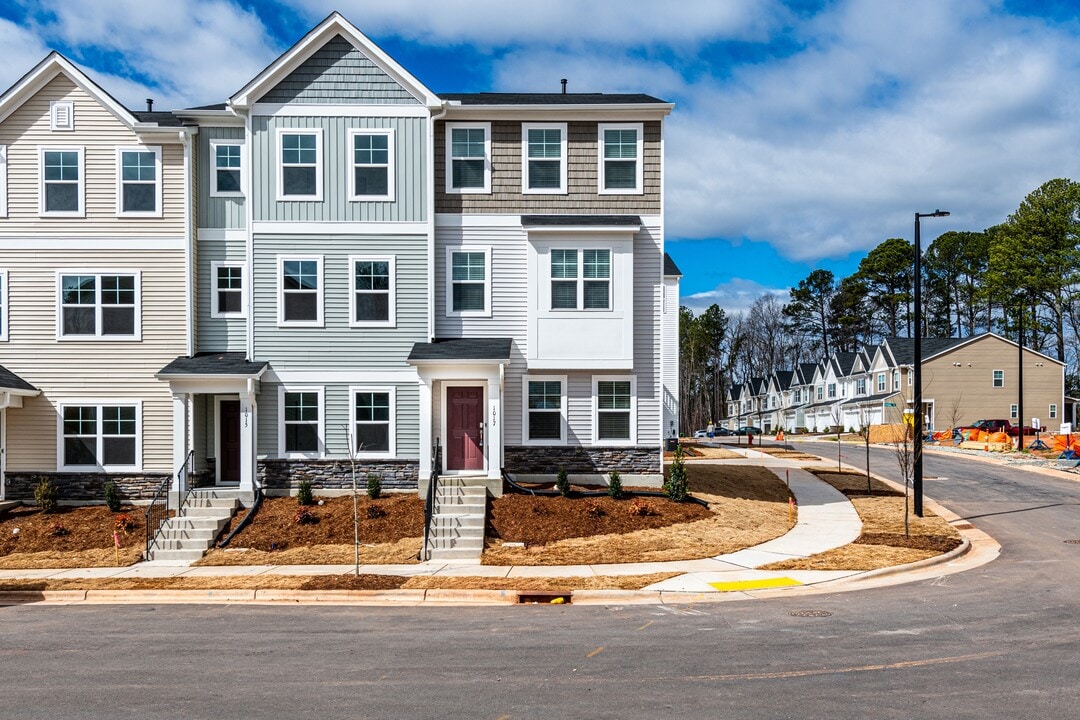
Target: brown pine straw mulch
{"type": "Point", "coordinates": [704, 452]}
{"type": "Point", "coordinates": [882, 542]}
{"type": "Point", "coordinates": [69, 537]}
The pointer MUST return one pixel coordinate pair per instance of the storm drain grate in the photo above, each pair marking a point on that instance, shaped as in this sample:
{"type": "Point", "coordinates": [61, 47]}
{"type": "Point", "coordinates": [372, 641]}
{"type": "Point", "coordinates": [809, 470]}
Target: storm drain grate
{"type": "Point", "coordinates": [1072, 542]}
{"type": "Point", "coordinates": [810, 613]}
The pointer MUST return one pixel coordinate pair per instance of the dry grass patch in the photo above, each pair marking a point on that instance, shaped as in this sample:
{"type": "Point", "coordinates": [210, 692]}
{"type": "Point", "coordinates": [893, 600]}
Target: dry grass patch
{"type": "Point", "coordinates": [402, 552]}
{"type": "Point", "coordinates": [706, 452]}
{"type": "Point", "coordinates": [100, 557]}
{"type": "Point", "coordinates": [786, 453]}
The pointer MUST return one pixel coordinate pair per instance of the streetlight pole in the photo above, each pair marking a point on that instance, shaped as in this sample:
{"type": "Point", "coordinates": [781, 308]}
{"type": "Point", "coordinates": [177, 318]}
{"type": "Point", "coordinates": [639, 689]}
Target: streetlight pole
{"type": "Point", "coordinates": [1020, 373]}
{"type": "Point", "coordinates": [917, 475]}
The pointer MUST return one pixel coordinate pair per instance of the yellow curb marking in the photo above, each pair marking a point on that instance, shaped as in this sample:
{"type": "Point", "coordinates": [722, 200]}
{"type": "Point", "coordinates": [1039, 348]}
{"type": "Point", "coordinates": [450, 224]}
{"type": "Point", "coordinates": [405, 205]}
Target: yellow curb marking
{"type": "Point", "coordinates": [646, 625]}
{"type": "Point", "coordinates": [595, 652]}
{"type": "Point", "coordinates": [760, 584]}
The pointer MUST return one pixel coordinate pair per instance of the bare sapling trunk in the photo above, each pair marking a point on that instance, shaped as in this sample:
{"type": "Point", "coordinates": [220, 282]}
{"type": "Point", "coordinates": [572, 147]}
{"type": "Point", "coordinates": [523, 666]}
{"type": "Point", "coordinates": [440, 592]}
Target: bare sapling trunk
{"type": "Point", "coordinates": [905, 459]}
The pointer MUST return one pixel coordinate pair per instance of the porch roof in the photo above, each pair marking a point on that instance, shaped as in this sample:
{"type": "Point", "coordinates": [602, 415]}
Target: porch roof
{"type": "Point", "coordinates": [871, 399]}
{"type": "Point", "coordinates": [11, 381]}
{"type": "Point", "coordinates": [461, 350]}
{"type": "Point", "coordinates": [209, 364]}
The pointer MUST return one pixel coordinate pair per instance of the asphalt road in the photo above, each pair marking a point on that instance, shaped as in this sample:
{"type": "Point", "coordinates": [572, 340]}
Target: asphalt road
{"type": "Point", "coordinates": [999, 641]}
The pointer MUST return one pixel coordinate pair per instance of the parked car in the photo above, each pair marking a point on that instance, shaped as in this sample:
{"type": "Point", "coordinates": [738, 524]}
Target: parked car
{"type": "Point", "coordinates": [722, 432]}
{"type": "Point", "coordinates": [700, 433]}
{"type": "Point", "coordinates": [998, 425]}
{"type": "Point", "coordinates": [748, 430]}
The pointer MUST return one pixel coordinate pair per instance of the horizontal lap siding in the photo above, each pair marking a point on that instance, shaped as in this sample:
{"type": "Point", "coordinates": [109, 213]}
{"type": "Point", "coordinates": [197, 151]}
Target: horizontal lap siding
{"type": "Point", "coordinates": [648, 305]}
{"type": "Point", "coordinates": [671, 355]}
{"type": "Point", "coordinates": [90, 370]}
{"type": "Point", "coordinates": [100, 133]}
{"type": "Point", "coordinates": [217, 212]}
{"type": "Point", "coordinates": [218, 334]}
{"type": "Point", "coordinates": [410, 151]}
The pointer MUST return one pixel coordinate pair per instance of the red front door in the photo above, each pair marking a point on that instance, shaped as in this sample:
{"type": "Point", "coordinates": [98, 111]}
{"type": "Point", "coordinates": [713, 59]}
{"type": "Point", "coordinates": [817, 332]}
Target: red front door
{"type": "Point", "coordinates": [464, 416]}
{"type": "Point", "coordinates": [229, 441]}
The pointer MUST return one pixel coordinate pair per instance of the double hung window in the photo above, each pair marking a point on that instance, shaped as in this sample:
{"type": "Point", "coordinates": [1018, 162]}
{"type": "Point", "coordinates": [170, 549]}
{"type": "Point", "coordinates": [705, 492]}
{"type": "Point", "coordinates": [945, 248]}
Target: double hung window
{"type": "Point", "coordinates": [300, 164]}
{"type": "Point", "coordinates": [469, 282]}
{"type": "Point", "coordinates": [999, 378]}
{"type": "Point", "coordinates": [543, 157]}
{"type": "Point", "coordinates": [61, 191]}
{"type": "Point", "coordinates": [580, 279]}
{"type": "Point", "coordinates": [620, 158]}
{"type": "Point", "coordinates": [104, 436]}
{"type": "Point", "coordinates": [372, 414]}
{"type": "Point", "coordinates": [468, 157]}
{"type": "Point", "coordinates": [139, 180]}
{"type": "Point", "coordinates": [372, 165]}
{"type": "Point", "coordinates": [614, 402]}
{"type": "Point", "coordinates": [228, 300]}
{"type": "Point", "coordinates": [545, 409]}
{"type": "Point", "coordinates": [104, 306]}
{"type": "Point", "coordinates": [301, 431]}
{"type": "Point", "coordinates": [226, 174]}
{"type": "Point", "coordinates": [372, 299]}
{"type": "Point", "coordinates": [300, 301]}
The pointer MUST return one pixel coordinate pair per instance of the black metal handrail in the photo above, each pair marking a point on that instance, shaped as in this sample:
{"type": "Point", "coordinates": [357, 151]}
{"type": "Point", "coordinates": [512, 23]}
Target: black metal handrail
{"type": "Point", "coordinates": [429, 501]}
{"type": "Point", "coordinates": [158, 510]}
{"type": "Point", "coordinates": [256, 501]}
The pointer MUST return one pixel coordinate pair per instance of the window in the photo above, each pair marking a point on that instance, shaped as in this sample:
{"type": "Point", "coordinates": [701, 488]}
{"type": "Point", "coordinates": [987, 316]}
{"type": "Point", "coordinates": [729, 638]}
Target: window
{"type": "Point", "coordinates": [798, 396]}
{"type": "Point", "coordinates": [589, 289]}
{"type": "Point", "coordinates": [300, 291]}
{"type": "Point", "coordinates": [1013, 411]}
{"type": "Point", "coordinates": [614, 401]}
{"type": "Point", "coordinates": [468, 157]}
{"type": "Point", "coordinates": [543, 157]}
{"type": "Point", "coordinates": [3, 305]}
{"type": "Point", "coordinates": [896, 380]}
{"type": "Point", "coordinates": [860, 386]}
{"type": "Point", "coordinates": [138, 181]}
{"type": "Point", "coordinates": [372, 165]}
{"type": "Point", "coordinates": [832, 390]}
{"type": "Point", "coordinates": [61, 191]}
{"type": "Point", "coordinates": [62, 115]}
{"type": "Point", "coordinates": [226, 176]}
{"type": "Point", "coordinates": [620, 158]}
{"type": "Point", "coordinates": [544, 419]}
{"type": "Point", "coordinates": [999, 378]}
{"type": "Point", "coordinates": [881, 382]}
{"type": "Point", "coordinates": [372, 416]}
{"type": "Point", "coordinates": [371, 302]}
{"type": "Point", "coordinates": [1053, 411]}
{"type": "Point", "coordinates": [300, 433]}
{"type": "Point", "coordinates": [820, 392]}
{"type": "Point", "coordinates": [228, 292]}
{"type": "Point", "coordinates": [300, 165]}
{"type": "Point", "coordinates": [101, 436]}
{"type": "Point", "coordinates": [468, 291]}
{"type": "Point", "coordinates": [3, 181]}
{"type": "Point", "coordinates": [98, 306]}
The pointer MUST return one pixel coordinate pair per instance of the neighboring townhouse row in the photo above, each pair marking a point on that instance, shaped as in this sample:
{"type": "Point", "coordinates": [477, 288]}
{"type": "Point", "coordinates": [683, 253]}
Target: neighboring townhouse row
{"type": "Point", "coordinates": [964, 380]}
{"type": "Point", "coordinates": [336, 265]}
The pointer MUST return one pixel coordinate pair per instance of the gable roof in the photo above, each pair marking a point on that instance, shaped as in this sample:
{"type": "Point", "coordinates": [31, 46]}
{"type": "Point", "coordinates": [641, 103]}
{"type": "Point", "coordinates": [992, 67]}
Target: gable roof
{"type": "Point", "coordinates": [670, 268]}
{"type": "Point", "coordinates": [784, 378]}
{"type": "Point", "coordinates": [806, 372]}
{"type": "Point", "coordinates": [903, 349]}
{"type": "Point", "coordinates": [845, 362]}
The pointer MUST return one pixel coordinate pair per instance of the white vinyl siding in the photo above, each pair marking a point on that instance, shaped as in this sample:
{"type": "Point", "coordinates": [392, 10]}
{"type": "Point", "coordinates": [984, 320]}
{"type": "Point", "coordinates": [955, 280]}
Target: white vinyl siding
{"type": "Point", "coordinates": [468, 157]}
{"type": "Point", "coordinates": [227, 171]}
{"type": "Point", "coordinates": [98, 305]}
{"type": "Point", "coordinates": [543, 158]}
{"type": "Point", "coordinates": [468, 281]}
{"type": "Point", "coordinates": [62, 181]}
{"type": "Point", "coordinates": [371, 164]}
{"type": "Point", "coordinates": [300, 291]}
{"type": "Point", "coordinates": [299, 164]}
{"type": "Point", "coordinates": [99, 436]}
{"type": "Point", "coordinates": [301, 422]}
{"type": "Point", "coordinates": [3, 181]}
{"type": "Point", "coordinates": [3, 305]}
{"type": "Point", "coordinates": [372, 300]}
{"type": "Point", "coordinates": [138, 182]}
{"type": "Point", "coordinates": [620, 158]}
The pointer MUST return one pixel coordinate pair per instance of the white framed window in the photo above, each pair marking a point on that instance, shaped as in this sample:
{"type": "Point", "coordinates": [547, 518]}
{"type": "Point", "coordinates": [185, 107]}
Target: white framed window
{"type": "Point", "coordinates": [3, 181]}
{"type": "Point", "coordinates": [1053, 411]}
{"type": "Point", "coordinates": [543, 158]}
{"type": "Point", "coordinates": [614, 409]}
{"type": "Point", "coordinates": [300, 164]}
{"type": "Point", "coordinates": [820, 392]}
{"type": "Point", "coordinates": [102, 435]}
{"type": "Point", "coordinates": [61, 190]}
{"type": "Point", "coordinates": [881, 382]}
{"type": "Point", "coordinates": [227, 293]}
{"type": "Point", "coordinates": [860, 386]}
{"type": "Point", "coordinates": [1013, 411]}
{"type": "Point", "coordinates": [138, 181]}
{"type": "Point", "coordinates": [896, 380]}
{"type": "Point", "coordinates": [543, 410]}
{"type": "Point", "coordinates": [300, 291]}
{"type": "Point", "coordinates": [621, 158]}
{"type": "Point", "coordinates": [372, 301]}
{"type": "Point", "coordinates": [832, 390]}
{"type": "Point", "coordinates": [98, 305]}
{"type": "Point", "coordinates": [3, 305]}
{"type": "Point", "coordinates": [372, 163]}
{"type": "Point", "coordinates": [227, 168]}
{"type": "Point", "coordinates": [798, 396]}
{"type": "Point", "coordinates": [62, 115]}
{"type": "Point", "coordinates": [468, 157]}
{"type": "Point", "coordinates": [372, 417]}
{"type": "Point", "coordinates": [300, 422]}
{"type": "Point", "coordinates": [999, 378]}
{"type": "Point", "coordinates": [468, 281]}
{"type": "Point", "coordinates": [581, 279]}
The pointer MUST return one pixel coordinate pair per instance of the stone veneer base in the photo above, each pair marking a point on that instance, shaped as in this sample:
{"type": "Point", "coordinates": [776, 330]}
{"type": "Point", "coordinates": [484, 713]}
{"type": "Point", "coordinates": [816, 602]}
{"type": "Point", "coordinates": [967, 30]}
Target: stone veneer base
{"type": "Point", "coordinates": [580, 460]}
{"type": "Point", "coordinates": [86, 487]}
{"type": "Point", "coordinates": [284, 476]}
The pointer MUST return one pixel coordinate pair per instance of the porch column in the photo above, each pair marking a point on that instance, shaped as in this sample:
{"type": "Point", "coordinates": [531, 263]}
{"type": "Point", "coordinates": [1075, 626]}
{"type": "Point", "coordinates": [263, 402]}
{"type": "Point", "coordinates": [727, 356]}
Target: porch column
{"type": "Point", "coordinates": [248, 426]}
{"type": "Point", "coordinates": [180, 438]}
{"type": "Point", "coordinates": [426, 422]}
{"type": "Point", "coordinates": [494, 433]}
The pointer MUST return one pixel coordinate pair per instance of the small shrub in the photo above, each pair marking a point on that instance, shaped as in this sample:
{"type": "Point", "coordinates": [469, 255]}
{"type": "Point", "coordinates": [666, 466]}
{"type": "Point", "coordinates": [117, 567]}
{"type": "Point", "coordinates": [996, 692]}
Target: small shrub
{"type": "Point", "coordinates": [58, 530]}
{"type": "Point", "coordinates": [676, 484]}
{"type": "Point", "coordinates": [562, 482]}
{"type": "Point", "coordinates": [47, 495]}
{"type": "Point", "coordinates": [639, 508]}
{"type": "Point", "coordinates": [594, 509]}
{"type": "Point", "coordinates": [123, 523]}
{"type": "Point", "coordinates": [374, 512]}
{"type": "Point", "coordinates": [304, 494]}
{"type": "Point", "coordinates": [112, 496]}
{"type": "Point", "coordinates": [304, 516]}
{"type": "Point", "coordinates": [374, 486]}
{"type": "Point", "coordinates": [614, 488]}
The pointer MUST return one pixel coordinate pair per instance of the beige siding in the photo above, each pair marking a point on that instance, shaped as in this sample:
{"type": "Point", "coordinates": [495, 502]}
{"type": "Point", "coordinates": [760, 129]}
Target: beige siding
{"type": "Point", "coordinates": [100, 133]}
{"type": "Point", "coordinates": [72, 370]}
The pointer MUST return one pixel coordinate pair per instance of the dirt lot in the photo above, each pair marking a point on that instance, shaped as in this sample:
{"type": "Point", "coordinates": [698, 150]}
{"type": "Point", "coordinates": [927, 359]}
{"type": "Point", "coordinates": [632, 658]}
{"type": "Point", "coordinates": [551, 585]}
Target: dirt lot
{"type": "Point", "coordinates": [70, 537]}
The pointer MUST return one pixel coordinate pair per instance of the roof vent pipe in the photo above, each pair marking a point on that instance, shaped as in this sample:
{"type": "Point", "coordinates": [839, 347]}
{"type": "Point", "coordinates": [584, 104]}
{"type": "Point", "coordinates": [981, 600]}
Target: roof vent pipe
{"type": "Point", "coordinates": [563, 82]}
{"type": "Point", "coordinates": [149, 104]}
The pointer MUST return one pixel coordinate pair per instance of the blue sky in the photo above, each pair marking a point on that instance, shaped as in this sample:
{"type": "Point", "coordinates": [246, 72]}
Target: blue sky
{"type": "Point", "coordinates": [805, 132]}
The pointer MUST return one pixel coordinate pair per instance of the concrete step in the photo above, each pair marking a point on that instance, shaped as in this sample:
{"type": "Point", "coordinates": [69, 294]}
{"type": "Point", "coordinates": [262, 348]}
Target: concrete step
{"type": "Point", "coordinates": [195, 523]}
{"type": "Point", "coordinates": [452, 498]}
{"type": "Point", "coordinates": [457, 521]}
{"type": "Point", "coordinates": [455, 554]}
{"type": "Point", "coordinates": [198, 544]}
{"type": "Point", "coordinates": [170, 555]}
{"type": "Point", "coordinates": [475, 542]}
{"type": "Point", "coordinates": [202, 534]}
{"type": "Point", "coordinates": [207, 512]}
{"type": "Point", "coordinates": [472, 508]}
{"type": "Point", "coordinates": [200, 501]}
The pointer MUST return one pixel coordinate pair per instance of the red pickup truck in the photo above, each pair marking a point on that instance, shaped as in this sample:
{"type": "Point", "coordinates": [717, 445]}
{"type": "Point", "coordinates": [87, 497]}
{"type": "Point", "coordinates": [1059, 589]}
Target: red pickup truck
{"type": "Point", "coordinates": [998, 425]}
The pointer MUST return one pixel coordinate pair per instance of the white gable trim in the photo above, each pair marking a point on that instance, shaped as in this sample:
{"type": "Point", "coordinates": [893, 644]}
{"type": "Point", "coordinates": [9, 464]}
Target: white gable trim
{"type": "Point", "coordinates": [45, 72]}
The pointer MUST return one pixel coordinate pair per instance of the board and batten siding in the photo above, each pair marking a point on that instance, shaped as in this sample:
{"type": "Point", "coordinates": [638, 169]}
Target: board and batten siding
{"type": "Point", "coordinates": [100, 133]}
{"type": "Point", "coordinates": [217, 212]}
{"type": "Point", "coordinates": [336, 345]}
{"type": "Point", "coordinates": [336, 418]}
{"type": "Point", "coordinates": [410, 176]}
{"type": "Point", "coordinates": [582, 174]}
{"type": "Point", "coordinates": [218, 333]}
{"type": "Point", "coordinates": [90, 370]}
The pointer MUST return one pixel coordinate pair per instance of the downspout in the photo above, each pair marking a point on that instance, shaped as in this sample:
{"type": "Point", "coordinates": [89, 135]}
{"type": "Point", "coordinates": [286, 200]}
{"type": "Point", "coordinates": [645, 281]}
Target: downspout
{"type": "Point", "coordinates": [431, 218]}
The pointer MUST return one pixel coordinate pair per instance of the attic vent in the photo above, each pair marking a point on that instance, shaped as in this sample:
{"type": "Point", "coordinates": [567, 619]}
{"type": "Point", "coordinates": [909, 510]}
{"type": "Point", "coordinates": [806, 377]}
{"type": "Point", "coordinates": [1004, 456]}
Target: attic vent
{"type": "Point", "coordinates": [62, 115]}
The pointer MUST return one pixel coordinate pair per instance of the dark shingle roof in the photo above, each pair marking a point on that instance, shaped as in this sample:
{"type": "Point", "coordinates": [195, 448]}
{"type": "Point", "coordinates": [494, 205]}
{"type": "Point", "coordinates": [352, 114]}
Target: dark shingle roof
{"type": "Point", "coordinates": [164, 119]}
{"type": "Point", "coordinates": [784, 377]}
{"type": "Point", "coordinates": [11, 381]}
{"type": "Point", "coordinates": [598, 220]}
{"type": "Point", "coordinates": [806, 370]}
{"type": "Point", "coordinates": [552, 98]}
{"type": "Point", "coordinates": [463, 349]}
{"type": "Point", "coordinates": [845, 361]}
{"type": "Point", "coordinates": [209, 363]}
{"type": "Point", "coordinates": [735, 390]}
{"type": "Point", "coordinates": [903, 349]}
{"type": "Point", "coordinates": [870, 398]}
{"type": "Point", "coordinates": [216, 106]}
{"type": "Point", "coordinates": [670, 268]}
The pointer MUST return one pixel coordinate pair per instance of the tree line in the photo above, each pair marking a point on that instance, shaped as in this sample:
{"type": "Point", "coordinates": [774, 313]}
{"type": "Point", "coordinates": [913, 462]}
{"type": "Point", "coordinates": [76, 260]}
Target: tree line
{"type": "Point", "coordinates": [972, 282]}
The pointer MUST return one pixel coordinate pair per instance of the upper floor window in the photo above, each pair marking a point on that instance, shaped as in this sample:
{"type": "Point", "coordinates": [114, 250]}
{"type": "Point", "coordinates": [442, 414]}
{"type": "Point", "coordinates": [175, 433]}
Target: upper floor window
{"type": "Point", "coordinates": [138, 181]}
{"type": "Point", "coordinates": [620, 158]}
{"type": "Point", "coordinates": [468, 283]}
{"type": "Point", "coordinates": [860, 386]}
{"type": "Point", "coordinates": [300, 433]}
{"type": "Point", "coordinates": [896, 380]}
{"type": "Point", "coordinates": [228, 292]}
{"type": "Point", "coordinates": [999, 378]}
{"type": "Point", "coordinates": [3, 181]}
{"type": "Point", "coordinates": [468, 157]}
{"type": "Point", "coordinates": [226, 176]}
{"type": "Point", "coordinates": [798, 396]}
{"type": "Point", "coordinates": [61, 191]}
{"type": "Point", "coordinates": [881, 382]}
{"type": "Point", "coordinates": [820, 392]}
{"type": "Point", "coordinates": [580, 279]}
{"type": "Point", "coordinates": [300, 164]}
{"type": "Point", "coordinates": [98, 306]}
{"type": "Point", "coordinates": [3, 305]}
{"type": "Point", "coordinates": [62, 115]}
{"type": "Point", "coordinates": [543, 157]}
{"type": "Point", "coordinates": [372, 175]}
{"type": "Point", "coordinates": [1053, 411]}
{"type": "Point", "coordinates": [300, 297]}
{"type": "Point", "coordinates": [372, 299]}
{"type": "Point", "coordinates": [832, 390]}
{"type": "Point", "coordinates": [100, 436]}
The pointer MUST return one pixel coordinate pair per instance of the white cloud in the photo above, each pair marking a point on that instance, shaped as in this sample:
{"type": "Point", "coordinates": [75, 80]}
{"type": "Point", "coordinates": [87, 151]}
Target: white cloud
{"type": "Point", "coordinates": [23, 50]}
{"type": "Point", "coordinates": [735, 295]}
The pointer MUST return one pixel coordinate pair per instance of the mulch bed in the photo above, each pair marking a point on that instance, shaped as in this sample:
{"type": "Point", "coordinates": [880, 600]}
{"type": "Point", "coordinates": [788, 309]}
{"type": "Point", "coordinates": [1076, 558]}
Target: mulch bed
{"type": "Point", "coordinates": [69, 529]}
{"type": "Point", "coordinates": [937, 543]}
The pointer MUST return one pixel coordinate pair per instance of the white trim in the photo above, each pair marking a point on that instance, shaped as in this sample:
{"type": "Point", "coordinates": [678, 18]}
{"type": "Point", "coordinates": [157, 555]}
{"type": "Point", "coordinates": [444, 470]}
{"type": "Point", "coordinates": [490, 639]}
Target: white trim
{"type": "Point", "coordinates": [48, 69]}
{"type": "Point", "coordinates": [1052, 412]}
{"type": "Point", "coordinates": [62, 115]}
{"type": "Point", "coordinates": [391, 450]}
{"type": "Point", "coordinates": [42, 149]}
{"type": "Point", "coordinates": [235, 142]}
{"type": "Point", "coordinates": [281, 321]}
{"type": "Point", "coordinates": [488, 280]}
{"type": "Point", "coordinates": [1014, 410]}
{"type": "Point", "coordinates": [262, 109]}
{"type": "Point", "coordinates": [406, 375]}
{"type": "Point", "coordinates": [993, 378]}
{"type": "Point", "coordinates": [580, 280]}
{"type": "Point", "coordinates": [98, 403]}
{"type": "Point", "coordinates": [449, 168]}
{"type": "Point", "coordinates": [391, 164]}
{"type": "Point", "coordinates": [156, 212]}
{"type": "Point", "coordinates": [136, 336]}
{"type": "Point", "coordinates": [525, 128]}
{"type": "Point", "coordinates": [218, 399]}
{"type": "Point", "coordinates": [525, 380]}
{"type": "Point", "coordinates": [93, 243]}
{"type": "Point", "coordinates": [319, 390]}
{"type": "Point", "coordinates": [334, 228]}
{"type": "Point", "coordinates": [214, 289]}
{"type": "Point", "coordinates": [279, 136]}
{"type": "Point", "coordinates": [5, 310]}
{"type": "Point", "coordinates": [391, 318]}
{"type": "Point", "coordinates": [3, 182]}
{"type": "Point", "coordinates": [481, 382]}
{"type": "Point", "coordinates": [596, 379]}
{"type": "Point", "coordinates": [639, 128]}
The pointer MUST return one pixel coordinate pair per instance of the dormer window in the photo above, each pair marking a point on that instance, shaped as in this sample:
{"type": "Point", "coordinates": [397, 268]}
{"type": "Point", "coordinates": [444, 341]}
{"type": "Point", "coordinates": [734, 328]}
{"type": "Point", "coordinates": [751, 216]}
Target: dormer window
{"type": "Point", "coordinates": [62, 115]}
